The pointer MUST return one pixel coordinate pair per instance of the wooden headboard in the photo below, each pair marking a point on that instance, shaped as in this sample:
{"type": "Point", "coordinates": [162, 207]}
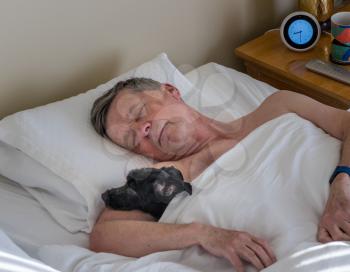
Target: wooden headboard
{"type": "Point", "coordinates": [51, 50]}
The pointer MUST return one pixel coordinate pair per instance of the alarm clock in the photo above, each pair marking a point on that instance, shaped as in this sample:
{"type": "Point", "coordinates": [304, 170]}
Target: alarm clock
{"type": "Point", "coordinates": [300, 31]}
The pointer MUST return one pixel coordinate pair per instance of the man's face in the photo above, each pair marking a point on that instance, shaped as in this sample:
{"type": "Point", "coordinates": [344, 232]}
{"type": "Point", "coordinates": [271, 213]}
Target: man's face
{"type": "Point", "coordinates": [154, 123]}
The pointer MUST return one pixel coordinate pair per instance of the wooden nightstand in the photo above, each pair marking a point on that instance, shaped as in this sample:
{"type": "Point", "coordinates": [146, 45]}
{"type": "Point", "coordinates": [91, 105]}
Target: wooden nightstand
{"type": "Point", "coordinates": [267, 59]}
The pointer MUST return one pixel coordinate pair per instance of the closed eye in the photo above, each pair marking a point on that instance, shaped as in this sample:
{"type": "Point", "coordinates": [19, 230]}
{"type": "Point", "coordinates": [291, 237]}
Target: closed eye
{"type": "Point", "coordinates": [129, 138]}
{"type": "Point", "coordinates": [141, 113]}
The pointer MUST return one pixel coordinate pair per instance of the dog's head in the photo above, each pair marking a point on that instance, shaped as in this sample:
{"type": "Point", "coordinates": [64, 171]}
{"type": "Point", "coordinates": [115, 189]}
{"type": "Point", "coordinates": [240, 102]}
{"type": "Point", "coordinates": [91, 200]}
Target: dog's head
{"type": "Point", "coordinates": [147, 189]}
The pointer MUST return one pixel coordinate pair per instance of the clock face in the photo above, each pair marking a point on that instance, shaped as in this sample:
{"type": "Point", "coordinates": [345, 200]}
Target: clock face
{"type": "Point", "coordinates": [300, 31]}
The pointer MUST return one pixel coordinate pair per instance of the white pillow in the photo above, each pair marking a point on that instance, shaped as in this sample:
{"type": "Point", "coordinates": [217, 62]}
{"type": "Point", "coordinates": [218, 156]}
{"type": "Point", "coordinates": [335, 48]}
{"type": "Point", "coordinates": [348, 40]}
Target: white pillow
{"type": "Point", "coordinates": [59, 197]}
{"type": "Point", "coordinates": [59, 136]}
{"type": "Point", "coordinates": [224, 93]}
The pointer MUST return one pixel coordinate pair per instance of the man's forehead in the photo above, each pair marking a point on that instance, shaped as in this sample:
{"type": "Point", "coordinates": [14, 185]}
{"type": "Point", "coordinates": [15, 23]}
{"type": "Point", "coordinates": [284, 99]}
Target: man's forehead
{"type": "Point", "coordinates": [127, 99]}
{"type": "Point", "coordinates": [124, 101]}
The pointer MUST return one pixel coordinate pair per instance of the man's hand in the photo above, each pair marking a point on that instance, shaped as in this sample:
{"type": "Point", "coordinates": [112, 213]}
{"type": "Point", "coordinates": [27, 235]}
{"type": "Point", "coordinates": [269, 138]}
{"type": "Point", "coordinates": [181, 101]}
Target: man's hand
{"type": "Point", "coordinates": [335, 221]}
{"type": "Point", "coordinates": [236, 246]}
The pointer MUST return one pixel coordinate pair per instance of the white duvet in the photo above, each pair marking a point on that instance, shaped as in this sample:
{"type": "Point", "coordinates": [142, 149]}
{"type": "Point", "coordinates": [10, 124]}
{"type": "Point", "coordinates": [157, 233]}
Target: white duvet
{"type": "Point", "coordinates": [273, 184]}
{"type": "Point", "coordinates": [13, 259]}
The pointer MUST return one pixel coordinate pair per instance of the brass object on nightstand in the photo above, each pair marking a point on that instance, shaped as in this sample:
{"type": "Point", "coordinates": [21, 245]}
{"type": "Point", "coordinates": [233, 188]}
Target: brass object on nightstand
{"type": "Point", "coordinates": [321, 9]}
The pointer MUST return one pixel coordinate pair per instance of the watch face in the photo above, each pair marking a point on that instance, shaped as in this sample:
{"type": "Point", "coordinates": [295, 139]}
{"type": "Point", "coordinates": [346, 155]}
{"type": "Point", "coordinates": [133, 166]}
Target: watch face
{"type": "Point", "coordinates": [300, 31]}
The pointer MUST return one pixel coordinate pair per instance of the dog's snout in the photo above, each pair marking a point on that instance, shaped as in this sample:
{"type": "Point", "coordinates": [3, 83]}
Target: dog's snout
{"type": "Point", "coordinates": [105, 198]}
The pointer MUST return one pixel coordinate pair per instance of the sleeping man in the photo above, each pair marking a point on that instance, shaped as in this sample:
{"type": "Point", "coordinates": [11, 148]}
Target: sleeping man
{"type": "Point", "coordinates": [151, 119]}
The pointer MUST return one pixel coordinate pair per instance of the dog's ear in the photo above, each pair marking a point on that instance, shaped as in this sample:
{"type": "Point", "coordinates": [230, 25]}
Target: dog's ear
{"type": "Point", "coordinates": [131, 192]}
{"type": "Point", "coordinates": [124, 191]}
{"type": "Point", "coordinates": [173, 172]}
{"type": "Point", "coordinates": [132, 198]}
{"type": "Point", "coordinates": [138, 175]}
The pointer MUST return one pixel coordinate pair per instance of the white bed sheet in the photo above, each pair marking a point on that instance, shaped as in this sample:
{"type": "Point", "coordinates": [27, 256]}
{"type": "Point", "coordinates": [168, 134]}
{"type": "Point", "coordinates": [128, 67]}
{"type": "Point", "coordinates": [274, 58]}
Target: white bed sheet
{"type": "Point", "coordinates": [28, 224]}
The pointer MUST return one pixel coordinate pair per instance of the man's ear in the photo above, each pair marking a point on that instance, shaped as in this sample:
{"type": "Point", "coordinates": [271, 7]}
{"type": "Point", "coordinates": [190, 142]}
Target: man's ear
{"type": "Point", "coordinates": [172, 90]}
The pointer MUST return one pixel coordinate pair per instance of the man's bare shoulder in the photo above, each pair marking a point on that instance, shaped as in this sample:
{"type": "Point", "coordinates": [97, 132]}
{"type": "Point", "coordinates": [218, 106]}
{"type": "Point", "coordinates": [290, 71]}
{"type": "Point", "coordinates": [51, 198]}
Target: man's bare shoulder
{"type": "Point", "coordinates": [272, 107]}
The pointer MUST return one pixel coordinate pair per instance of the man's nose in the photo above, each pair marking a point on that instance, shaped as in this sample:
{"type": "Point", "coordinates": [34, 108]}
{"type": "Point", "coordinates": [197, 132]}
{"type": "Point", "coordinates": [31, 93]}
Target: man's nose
{"type": "Point", "coordinates": [145, 129]}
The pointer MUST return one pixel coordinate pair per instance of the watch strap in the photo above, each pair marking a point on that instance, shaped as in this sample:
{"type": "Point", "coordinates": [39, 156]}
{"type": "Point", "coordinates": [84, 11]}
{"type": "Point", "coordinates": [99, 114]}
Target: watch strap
{"type": "Point", "coordinates": [338, 170]}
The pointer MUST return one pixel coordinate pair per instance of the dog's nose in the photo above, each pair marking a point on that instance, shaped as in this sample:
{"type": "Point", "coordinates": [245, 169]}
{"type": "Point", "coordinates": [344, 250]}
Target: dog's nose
{"type": "Point", "coordinates": [105, 198]}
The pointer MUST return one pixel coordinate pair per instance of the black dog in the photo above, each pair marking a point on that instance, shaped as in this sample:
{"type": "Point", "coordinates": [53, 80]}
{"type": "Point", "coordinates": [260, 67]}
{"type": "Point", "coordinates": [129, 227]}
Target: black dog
{"type": "Point", "coordinates": [147, 189]}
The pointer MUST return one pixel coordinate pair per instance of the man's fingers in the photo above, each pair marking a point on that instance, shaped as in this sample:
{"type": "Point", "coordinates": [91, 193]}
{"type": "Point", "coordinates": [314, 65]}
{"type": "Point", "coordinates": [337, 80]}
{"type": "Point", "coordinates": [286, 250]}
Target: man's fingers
{"type": "Point", "coordinates": [235, 261]}
{"type": "Point", "coordinates": [261, 253]}
{"type": "Point", "coordinates": [265, 245]}
{"type": "Point", "coordinates": [341, 234]}
{"type": "Point", "coordinates": [250, 256]}
{"type": "Point", "coordinates": [323, 236]}
{"type": "Point", "coordinates": [336, 234]}
{"type": "Point", "coordinates": [345, 227]}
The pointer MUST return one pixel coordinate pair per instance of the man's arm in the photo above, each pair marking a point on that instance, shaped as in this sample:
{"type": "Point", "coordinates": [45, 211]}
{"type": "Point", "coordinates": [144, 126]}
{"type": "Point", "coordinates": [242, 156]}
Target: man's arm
{"type": "Point", "coordinates": [135, 234]}
{"type": "Point", "coordinates": [335, 222]}
{"type": "Point", "coordinates": [335, 122]}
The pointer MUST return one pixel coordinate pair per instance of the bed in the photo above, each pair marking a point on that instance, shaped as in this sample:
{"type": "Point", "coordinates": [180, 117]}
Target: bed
{"type": "Point", "coordinates": [47, 209]}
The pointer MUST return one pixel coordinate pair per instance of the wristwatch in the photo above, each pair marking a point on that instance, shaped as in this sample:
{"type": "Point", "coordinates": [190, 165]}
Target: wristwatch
{"type": "Point", "coordinates": [338, 170]}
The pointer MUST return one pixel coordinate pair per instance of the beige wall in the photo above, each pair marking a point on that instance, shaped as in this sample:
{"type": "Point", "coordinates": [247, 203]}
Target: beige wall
{"type": "Point", "coordinates": [53, 49]}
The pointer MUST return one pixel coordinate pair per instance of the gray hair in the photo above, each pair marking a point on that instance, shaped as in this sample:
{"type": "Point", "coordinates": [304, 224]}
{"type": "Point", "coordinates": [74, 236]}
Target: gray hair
{"type": "Point", "coordinates": [101, 105]}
